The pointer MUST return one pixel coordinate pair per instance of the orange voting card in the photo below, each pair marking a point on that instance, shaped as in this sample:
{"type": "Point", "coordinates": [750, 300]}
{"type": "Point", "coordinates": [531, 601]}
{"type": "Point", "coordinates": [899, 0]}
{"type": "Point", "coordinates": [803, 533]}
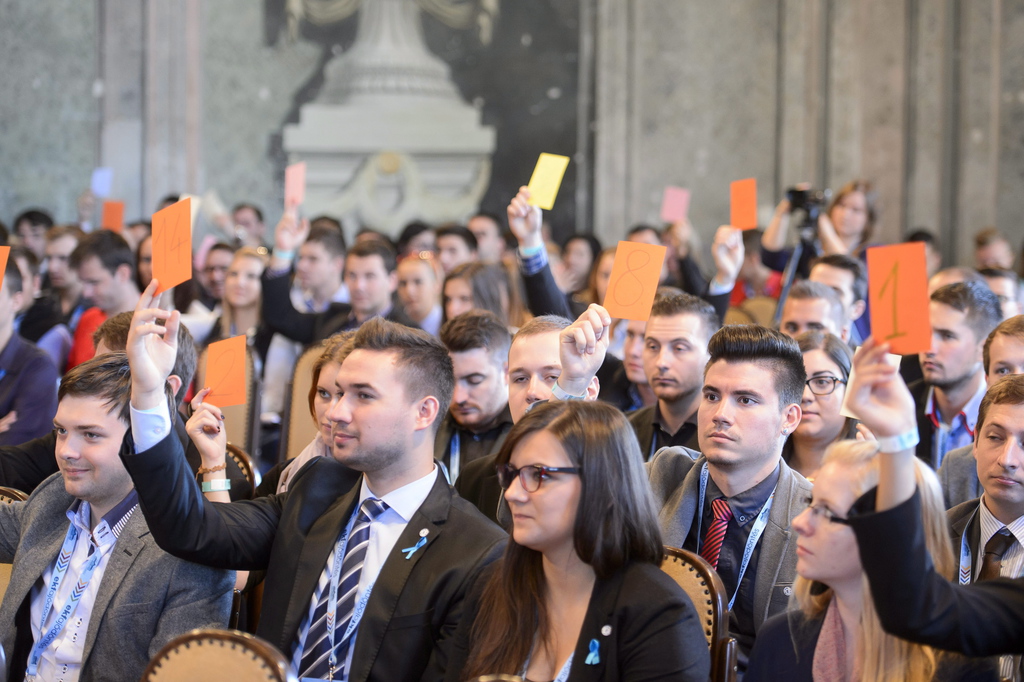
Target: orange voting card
{"type": "Point", "coordinates": [546, 179]}
{"type": "Point", "coordinates": [225, 372]}
{"type": "Point", "coordinates": [113, 216]}
{"type": "Point", "coordinates": [172, 245]}
{"type": "Point", "coordinates": [5, 252]}
{"type": "Point", "coordinates": [898, 294]}
{"type": "Point", "coordinates": [743, 204]}
{"type": "Point", "coordinates": [295, 185]}
{"type": "Point", "coordinates": [634, 280]}
{"type": "Point", "coordinates": [675, 204]}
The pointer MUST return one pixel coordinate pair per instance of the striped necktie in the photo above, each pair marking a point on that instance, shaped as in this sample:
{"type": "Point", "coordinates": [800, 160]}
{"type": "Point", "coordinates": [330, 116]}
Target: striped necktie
{"type": "Point", "coordinates": [315, 662]}
{"type": "Point", "coordinates": [995, 548]}
{"type": "Point", "coordinates": [716, 531]}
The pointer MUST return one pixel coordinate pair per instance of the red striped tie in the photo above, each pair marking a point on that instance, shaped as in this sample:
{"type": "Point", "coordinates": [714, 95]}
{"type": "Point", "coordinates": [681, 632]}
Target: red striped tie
{"type": "Point", "coordinates": [716, 531]}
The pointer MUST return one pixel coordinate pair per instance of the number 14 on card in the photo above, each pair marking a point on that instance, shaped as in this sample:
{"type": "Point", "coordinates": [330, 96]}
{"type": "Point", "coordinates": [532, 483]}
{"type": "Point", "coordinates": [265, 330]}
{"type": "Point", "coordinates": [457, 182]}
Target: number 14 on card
{"type": "Point", "coordinates": [898, 294]}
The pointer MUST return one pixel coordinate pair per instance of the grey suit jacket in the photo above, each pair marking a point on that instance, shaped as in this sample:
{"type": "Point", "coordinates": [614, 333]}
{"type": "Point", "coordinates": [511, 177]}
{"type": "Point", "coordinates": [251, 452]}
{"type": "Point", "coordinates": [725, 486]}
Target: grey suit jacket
{"type": "Point", "coordinates": [959, 477]}
{"type": "Point", "coordinates": [146, 597]}
{"type": "Point", "coordinates": [675, 480]}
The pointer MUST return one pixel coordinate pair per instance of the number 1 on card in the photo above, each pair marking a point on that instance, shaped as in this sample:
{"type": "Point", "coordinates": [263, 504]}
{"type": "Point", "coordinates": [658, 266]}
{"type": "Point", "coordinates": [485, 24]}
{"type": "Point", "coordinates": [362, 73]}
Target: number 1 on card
{"type": "Point", "coordinates": [898, 293]}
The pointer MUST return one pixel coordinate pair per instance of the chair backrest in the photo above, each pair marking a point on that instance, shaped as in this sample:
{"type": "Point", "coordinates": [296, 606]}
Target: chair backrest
{"type": "Point", "coordinates": [241, 421]}
{"type": "Point", "coordinates": [8, 495]}
{"type": "Point", "coordinates": [246, 464]}
{"type": "Point", "coordinates": [705, 589]}
{"type": "Point", "coordinates": [298, 427]}
{"type": "Point", "coordinates": [215, 655]}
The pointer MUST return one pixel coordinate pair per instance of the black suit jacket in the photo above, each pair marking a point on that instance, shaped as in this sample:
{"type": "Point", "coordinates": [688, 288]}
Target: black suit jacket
{"type": "Point", "coordinates": [916, 603]}
{"type": "Point", "coordinates": [645, 626]}
{"type": "Point", "coordinates": [478, 483]}
{"type": "Point", "coordinates": [925, 428]}
{"type": "Point", "coordinates": [281, 316]}
{"type": "Point", "coordinates": [416, 603]}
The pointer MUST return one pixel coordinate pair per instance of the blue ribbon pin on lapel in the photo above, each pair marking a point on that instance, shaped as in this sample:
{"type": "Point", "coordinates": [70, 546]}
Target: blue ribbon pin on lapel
{"type": "Point", "coordinates": [409, 551]}
{"type": "Point", "coordinates": [594, 657]}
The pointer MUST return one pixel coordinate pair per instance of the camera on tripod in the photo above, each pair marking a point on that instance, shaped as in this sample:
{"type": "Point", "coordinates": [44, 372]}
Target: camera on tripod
{"type": "Point", "coordinates": [811, 203]}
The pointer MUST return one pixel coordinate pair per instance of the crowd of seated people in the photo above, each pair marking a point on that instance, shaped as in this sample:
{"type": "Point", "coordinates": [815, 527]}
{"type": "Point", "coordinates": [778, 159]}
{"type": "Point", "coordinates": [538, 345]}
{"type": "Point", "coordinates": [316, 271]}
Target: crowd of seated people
{"type": "Point", "coordinates": [497, 463]}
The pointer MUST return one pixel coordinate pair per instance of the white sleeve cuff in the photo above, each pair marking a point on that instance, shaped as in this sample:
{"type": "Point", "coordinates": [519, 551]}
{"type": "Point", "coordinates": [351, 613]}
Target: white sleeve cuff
{"type": "Point", "coordinates": [149, 427]}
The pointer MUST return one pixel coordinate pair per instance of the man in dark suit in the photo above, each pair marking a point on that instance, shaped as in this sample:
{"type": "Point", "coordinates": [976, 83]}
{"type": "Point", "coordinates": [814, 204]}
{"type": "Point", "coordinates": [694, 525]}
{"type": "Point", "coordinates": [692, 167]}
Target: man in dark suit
{"type": "Point", "coordinates": [912, 600]}
{"type": "Point", "coordinates": [370, 553]}
{"type": "Point", "coordinates": [478, 419]}
{"type": "Point", "coordinates": [735, 504]}
{"type": "Point", "coordinates": [369, 275]}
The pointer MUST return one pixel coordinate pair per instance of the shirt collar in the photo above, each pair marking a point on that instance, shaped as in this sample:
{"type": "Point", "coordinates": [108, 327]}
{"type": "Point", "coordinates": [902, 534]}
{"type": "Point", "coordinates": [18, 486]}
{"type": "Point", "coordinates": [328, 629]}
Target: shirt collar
{"type": "Point", "coordinates": [80, 514]}
{"type": "Point", "coordinates": [969, 415]}
{"type": "Point", "coordinates": [659, 421]}
{"type": "Point", "coordinates": [405, 501]}
{"type": "Point", "coordinates": [990, 525]}
{"type": "Point", "coordinates": [747, 504]}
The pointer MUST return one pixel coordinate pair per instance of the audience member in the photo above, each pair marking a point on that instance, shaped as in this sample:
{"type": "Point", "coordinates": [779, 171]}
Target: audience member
{"type": "Point", "coordinates": [932, 250]}
{"type": "Point", "coordinates": [913, 600]}
{"type": "Point", "coordinates": [755, 278]}
{"type": "Point", "coordinates": [135, 231]}
{"type": "Point", "coordinates": [111, 599]}
{"type": "Point", "coordinates": [144, 262]}
{"type": "Point", "coordinates": [39, 319]}
{"type": "Point", "coordinates": [249, 227]}
{"type": "Point", "coordinates": [954, 275]}
{"type": "Point", "coordinates": [834, 633]}
{"type": "Point", "coordinates": [213, 275]}
{"type": "Point", "coordinates": [381, 487]}
{"type": "Point", "coordinates": [594, 590]}
{"type": "Point", "coordinates": [579, 253]}
{"type": "Point", "coordinates": [31, 226]}
{"type": "Point", "coordinates": [28, 377]}
{"type": "Point", "coordinates": [61, 241]}
{"type": "Point", "coordinates": [419, 290]}
{"type": "Point", "coordinates": [478, 286]}
{"type": "Point", "coordinates": [318, 271]}
{"type": "Point", "coordinates": [848, 277]}
{"type": "Point", "coordinates": [367, 234]}
{"type": "Point", "coordinates": [1002, 356]}
{"type": "Point", "coordinates": [640, 392]}
{"type": "Point", "coordinates": [675, 351]}
{"type": "Point", "coordinates": [1005, 284]}
{"type": "Point", "coordinates": [947, 398]}
{"type": "Point", "coordinates": [827, 362]}
{"type": "Point", "coordinates": [490, 243]}
{"type": "Point", "coordinates": [813, 307]}
{"type": "Point", "coordinates": [478, 418]}
{"type": "Point", "coordinates": [734, 504]}
{"type": "Point", "coordinates": [456, 245]}
{"type": "Point", "coordinates": [105, 266]}
{"type": "Point", "coordinates": [992, 250]}
{"type": "Point", "coordinates": [416, 237]}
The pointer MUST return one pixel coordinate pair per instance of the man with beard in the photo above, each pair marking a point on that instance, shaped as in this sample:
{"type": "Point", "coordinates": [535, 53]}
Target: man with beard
{"type": "Point", "coordinates": [948, 397]}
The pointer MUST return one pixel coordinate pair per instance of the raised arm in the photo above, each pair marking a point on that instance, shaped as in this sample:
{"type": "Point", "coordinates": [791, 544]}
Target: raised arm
{"type": "Point", "coordinates": [543, 297]}
{"type": "Point", "coordinates": [277, 310]}
{"type": "Point", "coordinates": [581, 351]}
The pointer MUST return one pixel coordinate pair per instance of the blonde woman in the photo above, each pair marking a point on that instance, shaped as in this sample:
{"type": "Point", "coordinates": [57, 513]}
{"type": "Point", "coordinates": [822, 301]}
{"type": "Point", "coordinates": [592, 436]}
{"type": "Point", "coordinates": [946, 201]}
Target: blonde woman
{"type": "Point", "coordinates": [834, 633]}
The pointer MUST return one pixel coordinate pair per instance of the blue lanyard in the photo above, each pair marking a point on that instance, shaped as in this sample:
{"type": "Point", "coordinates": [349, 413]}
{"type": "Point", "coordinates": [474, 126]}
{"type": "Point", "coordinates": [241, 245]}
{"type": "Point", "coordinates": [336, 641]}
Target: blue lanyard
{"type": "Point", "coordinates": [332, 604]}
{"type": "Point", "coordinates": [966, 564]}
{"type": "Point", "coordinates": [755, 531]}
{"type": "Point", "coordinates": [454, 457]}
{"type": "Point", "coordinates": [60, 570]}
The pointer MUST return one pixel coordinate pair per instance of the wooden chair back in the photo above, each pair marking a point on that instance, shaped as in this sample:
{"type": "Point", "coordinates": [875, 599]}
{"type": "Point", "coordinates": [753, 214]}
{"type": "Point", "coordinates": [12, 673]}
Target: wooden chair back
{"type": "Point", "coordinates": [211, 655]}
{"type": "Point", "coordinates": [247, 466]}
{"type": "Point", "coordinates": [241, 421]}
{"type": "Point", "coordinates": [297, 426]}
{"type": "Point", "coordinates": [706, 591]}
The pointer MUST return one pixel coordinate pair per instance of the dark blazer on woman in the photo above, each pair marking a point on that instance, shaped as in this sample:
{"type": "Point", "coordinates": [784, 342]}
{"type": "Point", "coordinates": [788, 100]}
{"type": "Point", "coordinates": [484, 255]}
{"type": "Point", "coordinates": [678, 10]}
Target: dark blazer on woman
{"type": "Point", "coordinates": [645, 626]}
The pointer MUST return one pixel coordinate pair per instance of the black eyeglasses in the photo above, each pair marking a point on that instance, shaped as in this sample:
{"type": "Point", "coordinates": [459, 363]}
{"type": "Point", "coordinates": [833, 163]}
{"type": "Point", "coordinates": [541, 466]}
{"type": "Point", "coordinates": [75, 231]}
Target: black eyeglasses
{"type": "Point", "coordinates": [531, 476]}
{"type": "Point", "coordinates": [823, 385]}
{"type": "Point", "coordinates": [820, 511]}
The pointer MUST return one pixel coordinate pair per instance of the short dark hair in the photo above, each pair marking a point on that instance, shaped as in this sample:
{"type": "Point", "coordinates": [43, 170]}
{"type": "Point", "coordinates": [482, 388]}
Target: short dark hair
{"type": "Point", "coordinates": [375, 247]}
{"type": "Point", "coordinates": [460, 231]}
{"type": "Point", "coordinates": [221, 246]}
{"type": "Point", "coordinates": [637, 229]}
{"type": "Point", "coordinates": [113, 333]}
{"type": "Point", "coordinates": [410, 232]}
{"type": "Point", "coordinates": [58, 231]}
{"type": "Point", "coordinates": [542, 325]}
{"type": "Point", "coordinates": [252, 207]}
{"type": "Point", "coordinates": [476, 329]}
{"type": "Point", "coordinates": [590, 240]}
{"type": "Point", "coordinates": [108, 247]}
{"type": "Point", "coordinates": [670, 304]}
{"type": "Point", "coordinates": [777, 352]}
{"type": "Point", "coordinates": [329, 238]}
{"type": "Point", "coordinates": [752, 241]}
{"type": "Point", "coordinates": [851, 265]}
{"type": "Point", "coordinates": [1000, 273]}
{"type": "Point", "coordinates": [1007, 391]}
{"type": "Point", "coordinates": [34, 217]}
{"type": "Point", "coordinates": [13, 281]}
{"type": "Point", "coordinates": [920, 234]}
{"type": "Point", "coordinates": [423, 361]}
{"type": "Point", "coordinates": [106, 377]}
{"type": "Point", "coordinates": [976, 301]}
{"type": "Point", "coordinates": [1012, 327]}
{"type": "Point", "coordinates": [807, 290]}
{"type": "Point", "coordinates": [989, 235]}
{"type": "Point", "coordinates": [964, 273]}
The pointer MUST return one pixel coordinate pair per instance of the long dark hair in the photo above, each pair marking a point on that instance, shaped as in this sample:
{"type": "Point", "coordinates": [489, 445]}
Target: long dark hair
{"type": "Point", "coordinates": [616, 524]}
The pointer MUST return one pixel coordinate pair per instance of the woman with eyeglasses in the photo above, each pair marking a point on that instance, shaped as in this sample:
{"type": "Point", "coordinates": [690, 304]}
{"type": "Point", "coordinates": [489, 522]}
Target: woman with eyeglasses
{"type": "Point", "coordinates": [827, 360]}
{"type": "Point", "coordinates": [578, 594]}
{"type": "Point", "coordinates": [834, 633]}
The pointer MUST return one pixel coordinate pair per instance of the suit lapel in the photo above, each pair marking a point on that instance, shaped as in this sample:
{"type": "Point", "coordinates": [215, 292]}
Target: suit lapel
{"type": "Point", "coordinates": [600, 614]}
{"type": "Point", "coordinates": [774, 542]}
{"type": "Point", "coordinates": [678, 515]}
{"type": "Point", "coordinates": [394, 574]}
{"type": "Point", "coordinates": [130, 543]}
{"type": "Point", "coordinates": [35, 557]}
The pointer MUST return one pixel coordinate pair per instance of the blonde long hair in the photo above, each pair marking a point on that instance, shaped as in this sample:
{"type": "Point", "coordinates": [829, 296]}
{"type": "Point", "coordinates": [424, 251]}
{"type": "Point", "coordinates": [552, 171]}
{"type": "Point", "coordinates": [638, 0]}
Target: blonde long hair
{"type": "Point", "coordinates": [885, 658]}
{"type": "Point", "coordinates": [227, 317]}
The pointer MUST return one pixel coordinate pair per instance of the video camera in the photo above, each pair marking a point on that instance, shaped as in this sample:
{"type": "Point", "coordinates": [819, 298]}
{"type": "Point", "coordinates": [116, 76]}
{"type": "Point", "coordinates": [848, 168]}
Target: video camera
{"type": "Point", "coordinates": [811, 202]}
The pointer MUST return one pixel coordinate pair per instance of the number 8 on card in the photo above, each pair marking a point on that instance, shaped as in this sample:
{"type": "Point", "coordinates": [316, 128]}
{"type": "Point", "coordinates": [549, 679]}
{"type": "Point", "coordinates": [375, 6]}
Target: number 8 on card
{"type": "Point", "coordinates": [898, 294]}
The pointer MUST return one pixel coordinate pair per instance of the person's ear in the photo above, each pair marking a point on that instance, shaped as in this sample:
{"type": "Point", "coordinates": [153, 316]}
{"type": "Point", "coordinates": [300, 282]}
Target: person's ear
{"type": "Point", "coordinates": [791, 418]}
{"type": "Point", "coordinates": [124, 273]}
{"type": "Point", "coordinates": [427, 412]}
{"type": "Point", "coordinates": [393, 281]}
{"type": "Point", "coordinates": [175, 381]}
{"type": "Point", "coordinates": [857, 309]}
{"type": "Point", "coordinates": [593, 389]}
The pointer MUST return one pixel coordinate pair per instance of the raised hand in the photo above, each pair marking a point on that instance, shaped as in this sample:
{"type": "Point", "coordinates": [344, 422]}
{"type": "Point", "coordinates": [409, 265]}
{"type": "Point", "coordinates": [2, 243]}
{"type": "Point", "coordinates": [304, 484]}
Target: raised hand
{"type": "Point", "coordinates": [152, 348]}
{"type": "Point", "coordinates": [877, 394]}
{"type": "Point", "coordinates": [206, 429]}
{"type": "Point", "coordinates": [290, 232]}
{"type": "Point", "coordinates": [525, 220]}
{"type": "Point", "coordinates": [582, 347]}
{"type": "Point", "coordinates": [727, 251]}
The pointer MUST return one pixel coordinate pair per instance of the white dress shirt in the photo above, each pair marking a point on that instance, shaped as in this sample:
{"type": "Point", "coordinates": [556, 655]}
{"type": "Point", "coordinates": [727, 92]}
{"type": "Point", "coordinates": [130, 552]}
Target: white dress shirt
{"type": "Point", "coordinates": [1011, 566]}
